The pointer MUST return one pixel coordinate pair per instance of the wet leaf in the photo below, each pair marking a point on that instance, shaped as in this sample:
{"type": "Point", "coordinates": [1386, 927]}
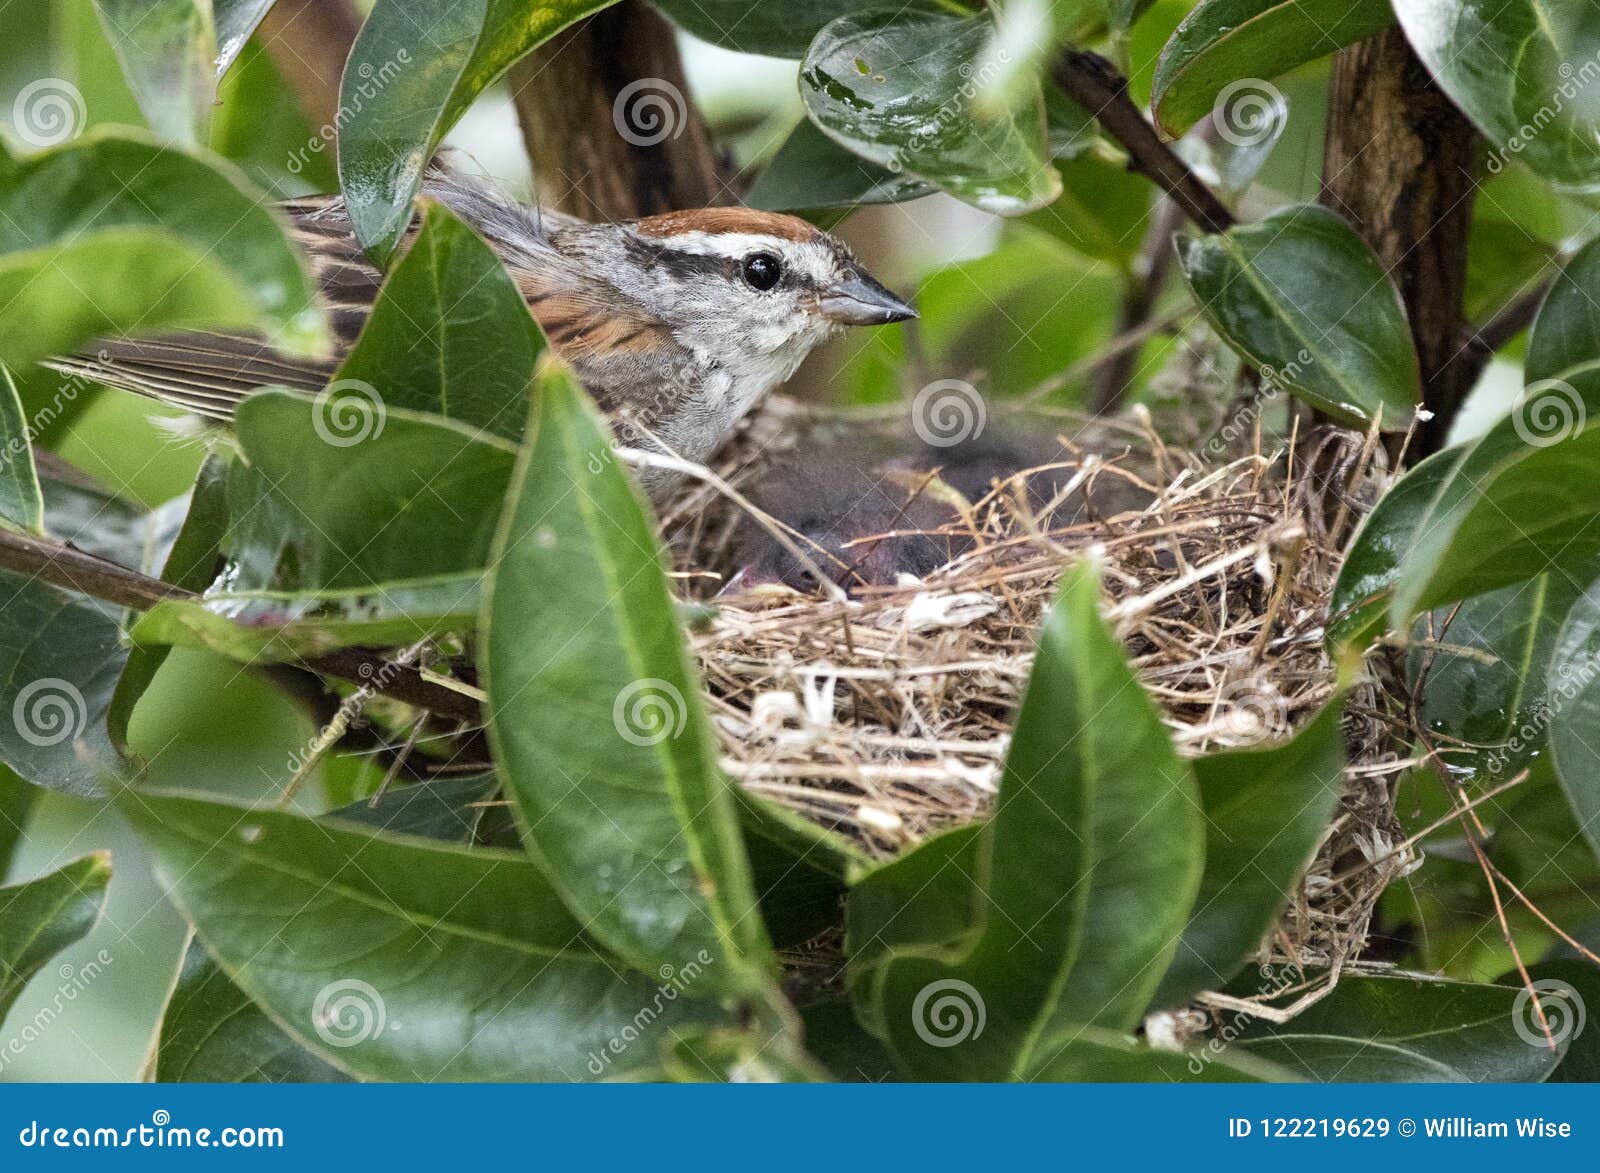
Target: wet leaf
{"type": "Point", "coordinates": [594, 707]}
{"type": "Point", "coordinates": [1301, 295]}
{"type": "Point", "coordinates": [413, 71]}
{"type": "Point", "coordinates": [1233, 47]}
{"type": "Point", "coordinates": [893, 88]}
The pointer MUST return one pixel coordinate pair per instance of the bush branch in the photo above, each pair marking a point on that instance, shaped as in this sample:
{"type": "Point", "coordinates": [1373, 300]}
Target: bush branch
{"type": "Point", "coordinates": [66, 566]}
{"type": "Point", "coordinates": [1094, 83]}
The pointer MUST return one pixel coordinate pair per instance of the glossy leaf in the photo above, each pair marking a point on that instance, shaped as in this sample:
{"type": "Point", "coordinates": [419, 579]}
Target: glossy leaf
{"type": "Point", "coordinates": [191, 563]}
{"type": "Point", "coordinates": [235, 21]}
{"type": "Point", "coordinates": [593, 707]}
{"type": "Point", "coordinates": [450, 334]}
{"type": "Point", "coordinates": [1387, 1029]}
{"type": "Point", "coordinates": [16, 804]}
{"type": "Point", "coordinates": [1517, 68]}
{"type": "Point", "coordinates": [21, 503]}
{"type": "Point", "coordinates": [61, 653]}
{"type": "Point", "coordinates": [892, 87]}
{"type": "Point", "coordinates": [1300, 293]}
{"type": "Point", "coordinates": [1566, 336]}
{"type": "Point", "coordinates": [1482, 670]}
{"type": "Point", "coordinates": [414, 69]}
{"type": "Point", "coordinates": [1095, 858]}
{"type": "Point", "coordinates": [1223, 41]}
{"type": "Point", "coordinates": [1372, 566]}
{"type": "Point", "coordinates": [443, 808]}
{"type": "Point", "coordinates": [172, 240]}
{"type": "Point", "coordinates": [41, 917]}
{"type": "Point", "coordinates": [364, 495]}
{"type": "Point", "coordinates": [212, 1033]}
{"type": "Point", "coordinates": [165, 49]}
{"type": "Point", "coordinates": [1514, 507]}
{"type": "Point", "coordinates": [775, 28]}
{"type": "Point", "coordinates": [1090, 1055]}
{"type": "Point", "coordinates": [811, 171]}
{"type": "Point", "coordinates": [1265, 813]}
{"type": "Point", "coordinates": [1573, 684]}
{"type": "Point", "coordinates": [400, 958]}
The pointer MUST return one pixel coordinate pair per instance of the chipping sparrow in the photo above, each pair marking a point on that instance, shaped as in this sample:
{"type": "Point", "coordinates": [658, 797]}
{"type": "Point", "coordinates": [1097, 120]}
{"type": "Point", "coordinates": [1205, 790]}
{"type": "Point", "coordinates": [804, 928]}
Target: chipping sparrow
{"type": "Point", "coordinates": [680, 322]}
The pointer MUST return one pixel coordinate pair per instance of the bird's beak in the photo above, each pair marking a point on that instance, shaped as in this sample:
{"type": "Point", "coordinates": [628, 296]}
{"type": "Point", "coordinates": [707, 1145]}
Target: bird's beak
{"type": "Point", "coordinates": [859, 300]}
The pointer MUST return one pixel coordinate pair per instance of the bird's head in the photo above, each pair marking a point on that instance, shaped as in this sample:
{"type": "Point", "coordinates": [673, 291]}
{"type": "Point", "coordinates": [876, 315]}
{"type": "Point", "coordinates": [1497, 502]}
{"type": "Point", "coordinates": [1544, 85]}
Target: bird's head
{"type": "Point", "coordinates": [761, 285]}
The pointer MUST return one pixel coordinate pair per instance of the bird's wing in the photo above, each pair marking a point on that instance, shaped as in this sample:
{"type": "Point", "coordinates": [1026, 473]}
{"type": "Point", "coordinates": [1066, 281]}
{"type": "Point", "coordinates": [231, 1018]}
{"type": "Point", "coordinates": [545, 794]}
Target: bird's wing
{"type": "Point", "coordinates": [210, 372]}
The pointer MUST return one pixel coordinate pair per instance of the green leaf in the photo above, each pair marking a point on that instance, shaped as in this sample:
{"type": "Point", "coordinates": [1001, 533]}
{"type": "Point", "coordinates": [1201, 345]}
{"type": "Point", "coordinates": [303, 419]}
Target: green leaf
{"type": "Point", "coordinates": [61, 653]}
{"type": "Point", "coordinates": [275, 626]}
{"type": "Point", "coordinates": [893, 88]}
{"type": "Point", "coordinates": [1482, 674]}
{"type": "Point", "coordinates": [165, 48]}
{"type": "Point", "coordinates": [1566, 334]}
{"type": "Point", "coordinates": [235, 21]}
{"type": "Point", "coordinates": [1299, 294]}
{"type": "Point", "coordinates": [117, 234]}
{"type": "Point", "coordinates": [1515, 506]}
{"type": "Point", "coordinates": [191, 563]}
{"type": "Point", "coordinates": [1103, 212]}
{"type": "Point", "coordinates": [21, 503]}
{"type": "Point", "coordinates": [1094, 859]}
{"type": "Point", "coordinates": [811, 171]}
{"type": "Point", "coordinates": [841, 1045]}
{"type": "Point", "coordinates": [16, 804]}
{"type": "Point", "coordinates": [1519, 69]}
{"type": "Point", "coordinates": [595, 713]}
{"type": "Point", "coordinates": [1371, 569]}
{"type": "Point", "coordinates": [1265, 812]}
{"type": "Point", "coordinates": [927, 897]}
{"type": "Point", "coordinates": [212, 1033]}
{"type": "Point", "coordinates": [366, 495]}
{"type": "Point", "coordinates": [450, 334]}
{"type": "Point", "coordinates": [782, 29]}
{"type": "Point", "coordinates": [41, 917]}
{"type": "Point", "coordinates": [1573, 685]}
{"type": "Point", "coordinates": [414, 69]}
{"type": "Point", "coordinates": [1404, 1029]}
{"type": "Point", "coordinates": [797, 868]}
{"type": "Point", "coordinates": [1223, 41]}
{"type": "Point", "coordinates": [1086, 1054]}
{"type": "Point", "coordinates": [1581, 1064]}
{"type": "Point", "coordinates": [444, 808]}
{"type": "Point", "coordinates": [400, 958]}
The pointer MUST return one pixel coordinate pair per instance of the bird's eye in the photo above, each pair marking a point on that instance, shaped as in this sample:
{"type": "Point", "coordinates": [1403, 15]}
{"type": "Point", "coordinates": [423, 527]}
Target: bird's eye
{"type": "Point", "coordinates": [762, 271]}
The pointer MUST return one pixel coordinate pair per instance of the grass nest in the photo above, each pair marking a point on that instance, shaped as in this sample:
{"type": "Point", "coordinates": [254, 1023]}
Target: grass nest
{"type": "Point", "coordinates": [885, 715]}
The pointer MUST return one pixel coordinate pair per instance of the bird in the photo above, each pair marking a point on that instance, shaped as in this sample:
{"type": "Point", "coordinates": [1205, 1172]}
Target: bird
{"type": "Point", "coordinates": [676, 324]}
{"type": "Point", "coordinates": [870, 509]}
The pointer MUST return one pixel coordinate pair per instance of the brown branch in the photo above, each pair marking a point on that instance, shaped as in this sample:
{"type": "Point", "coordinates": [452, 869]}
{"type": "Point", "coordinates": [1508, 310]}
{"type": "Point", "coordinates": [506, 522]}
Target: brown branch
{"type": "Point", "coordinates": [65, 566]}
{"type": "Point", "coordinates": [1401, 163]}
{"type": "Point", "coordinates": [1094, 83]}
{"type": "Point", "coordinates": [309, 42]}
{"type": "Point", "coordinates": [609, 124]}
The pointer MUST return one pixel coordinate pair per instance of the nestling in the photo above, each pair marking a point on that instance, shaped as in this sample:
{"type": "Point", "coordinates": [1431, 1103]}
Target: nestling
{"type": "Point", "coordinates": [677, 324]}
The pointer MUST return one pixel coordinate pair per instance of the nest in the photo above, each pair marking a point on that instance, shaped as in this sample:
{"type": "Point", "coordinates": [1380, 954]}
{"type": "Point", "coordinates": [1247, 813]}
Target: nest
{"type": "Point", "coordinates": [886, 715]}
